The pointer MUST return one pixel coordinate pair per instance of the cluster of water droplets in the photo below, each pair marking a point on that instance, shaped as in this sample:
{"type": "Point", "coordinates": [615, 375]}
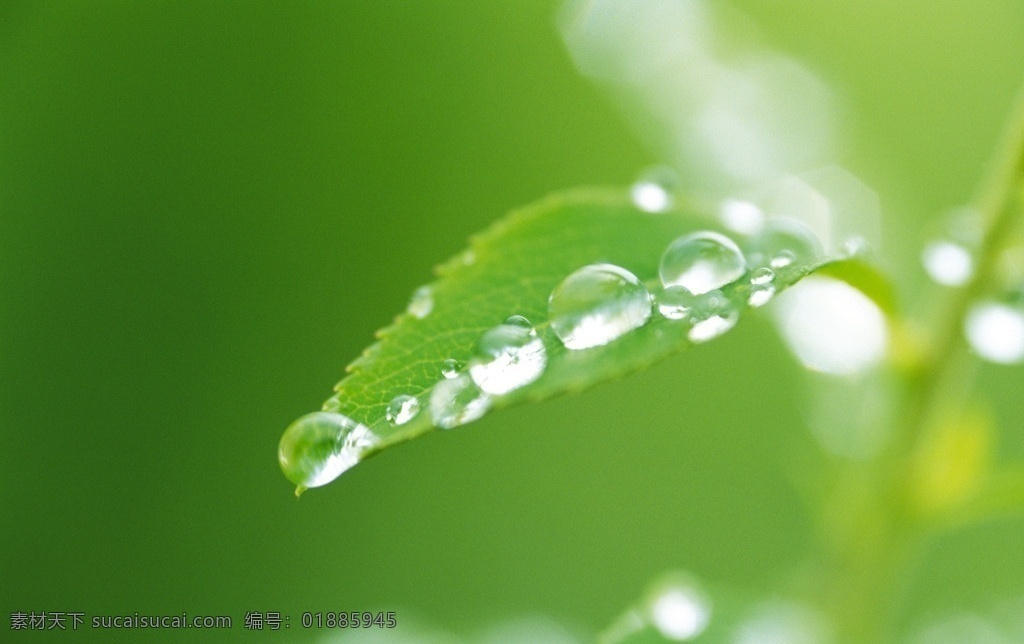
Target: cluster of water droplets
{"type": "Point", "coordinates": [507, 357]}
{"type": "Point", "coordinates": [600, 303]}
{"type": "Point", "coordinates": [704, 281]}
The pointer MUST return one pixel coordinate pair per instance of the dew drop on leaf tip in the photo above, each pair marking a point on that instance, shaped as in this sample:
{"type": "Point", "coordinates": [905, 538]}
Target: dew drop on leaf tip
{"type": "Point", "coordinates": [319, 447]}
{"type": "Point", "coordinates": [597, 304]}
{"type": "Point", "coordinates": [507, 357]}
{"type": "Point", "coordinates": [702, 262]}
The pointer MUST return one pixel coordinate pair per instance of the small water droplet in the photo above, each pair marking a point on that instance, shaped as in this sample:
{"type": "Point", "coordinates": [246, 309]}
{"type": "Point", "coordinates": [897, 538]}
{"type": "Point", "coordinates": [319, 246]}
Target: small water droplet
{"type": "Point", "coordinates": [597, 304]}
{"type": "Point", "coordinates": [508, 357]}
{"type": "Point", "coordinates": [741, 216]}
{"type": "Point", "coordinates": [402, 409]}
{"type": "Point", "coordinates": [702, 262]}
{"type": "Point", "coordinates": [653, 191]}
{"type": "Point", "coordinates": [783, 259]}
{"type": "Point", "coordinates": [519, 321]}
{"type": "Point", "coordinates": [784, 242]}
{"type": "Point", "coordinates": [712, 315]}
{"type": "Point", "coordinates": [457, 401]}
{"type": "Point", "coordinates": [675, 302]}
{"type": "Point", "coordinates": [760, 294]}
{"type": "Point", "coordinates": [451, 368]}
{"type": "Point", "coordinates": [947, 263]}
{"type": "Point", "coordinates": [318, 447]}
{"type": "Point", "coordinates": [422, 303]}
{"type": "Point", "coordinates": [996, 332]}
{"type": "Point", "coordinates": [762, 276]}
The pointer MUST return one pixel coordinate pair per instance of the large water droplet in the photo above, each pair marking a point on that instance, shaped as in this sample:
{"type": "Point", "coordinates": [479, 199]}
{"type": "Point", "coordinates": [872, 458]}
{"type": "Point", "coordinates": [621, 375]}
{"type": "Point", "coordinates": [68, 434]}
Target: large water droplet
{"type": "Point", "coordinates": [947, 263]}
{"type": "Point", "coordinates": [402, 409]}
{"type": "Point", "coordinates": [712, 315]}
{"type": "Point", "coordinates": [457, 401]}
{"type": "Point", "coordinates": [422, 303]}
{"type": "Point", "coordinates": [451, 368]}
{"type": "Point", "coordinates": [702, 262]}
{"type": "Point", "coordinates": [597, 304]}
{"type": "Point", "coordinates": [508, 357]}
{"type": "Point", "coordinates": [996, 332]}
{"type": "Point", "coordinates": [318, 447]}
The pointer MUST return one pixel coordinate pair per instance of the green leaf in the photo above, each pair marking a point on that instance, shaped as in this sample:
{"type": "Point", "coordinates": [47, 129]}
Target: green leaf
{"type": "Point", "coordinates": [867, 279]}
{"type": "Point", "coordinates": [511, 269]}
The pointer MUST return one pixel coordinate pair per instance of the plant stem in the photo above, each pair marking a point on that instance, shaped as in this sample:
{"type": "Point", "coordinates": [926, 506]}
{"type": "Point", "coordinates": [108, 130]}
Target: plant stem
{"type": "Point", "coordinates": [872, 531]}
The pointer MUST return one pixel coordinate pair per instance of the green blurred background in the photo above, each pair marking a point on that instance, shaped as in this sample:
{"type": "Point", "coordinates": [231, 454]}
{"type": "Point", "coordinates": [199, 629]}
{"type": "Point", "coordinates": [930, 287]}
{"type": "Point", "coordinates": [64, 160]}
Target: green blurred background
{"type": "Point", "coordinates": [207, 208]}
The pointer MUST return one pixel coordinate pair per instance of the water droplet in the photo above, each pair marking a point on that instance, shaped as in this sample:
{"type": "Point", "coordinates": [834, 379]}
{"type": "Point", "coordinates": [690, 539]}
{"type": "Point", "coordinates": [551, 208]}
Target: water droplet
{"type": "Point", "coordinates": [519, 321]}
{"type": "Point", "coordinates": [712, 315]}
{"type": "Point", "coordinates": [508, 357]}
{"type": "Point", "coordinates": [702, 262]}
{"type": "Point", "coordinates": [681, 612]}
{"type": "Point", "coordinates": [675, 302]}
{"type": "Point", "coordinates": [784, 242]}
{"type": "Point", "coordinates": [762, 276]}
{"type": "Point", "coordinates": [451, 368]}
{"type": "Point", "coordinates": [318, 447]}
{"type": "Point", "coordinates": [760, 294]}
{"type": "Point", "coordinates": [422, 303]}
{"type": "Point", "coordinates": [597, 304]}
{"type": "Point", "coordinates": [457, 401]}
{"type": "Point", "coordinates": [741, 216]}
{"type": "Point", "coordinates": [996, 332]}
{"type": "Point", "coordinates": [783, 259]}
{"type": "Point", "coordinates": [653, 191]}
{"type": "Point", "coordinates": [402, 409]}
{"type": "Point", "coordinates": [947, 263]}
